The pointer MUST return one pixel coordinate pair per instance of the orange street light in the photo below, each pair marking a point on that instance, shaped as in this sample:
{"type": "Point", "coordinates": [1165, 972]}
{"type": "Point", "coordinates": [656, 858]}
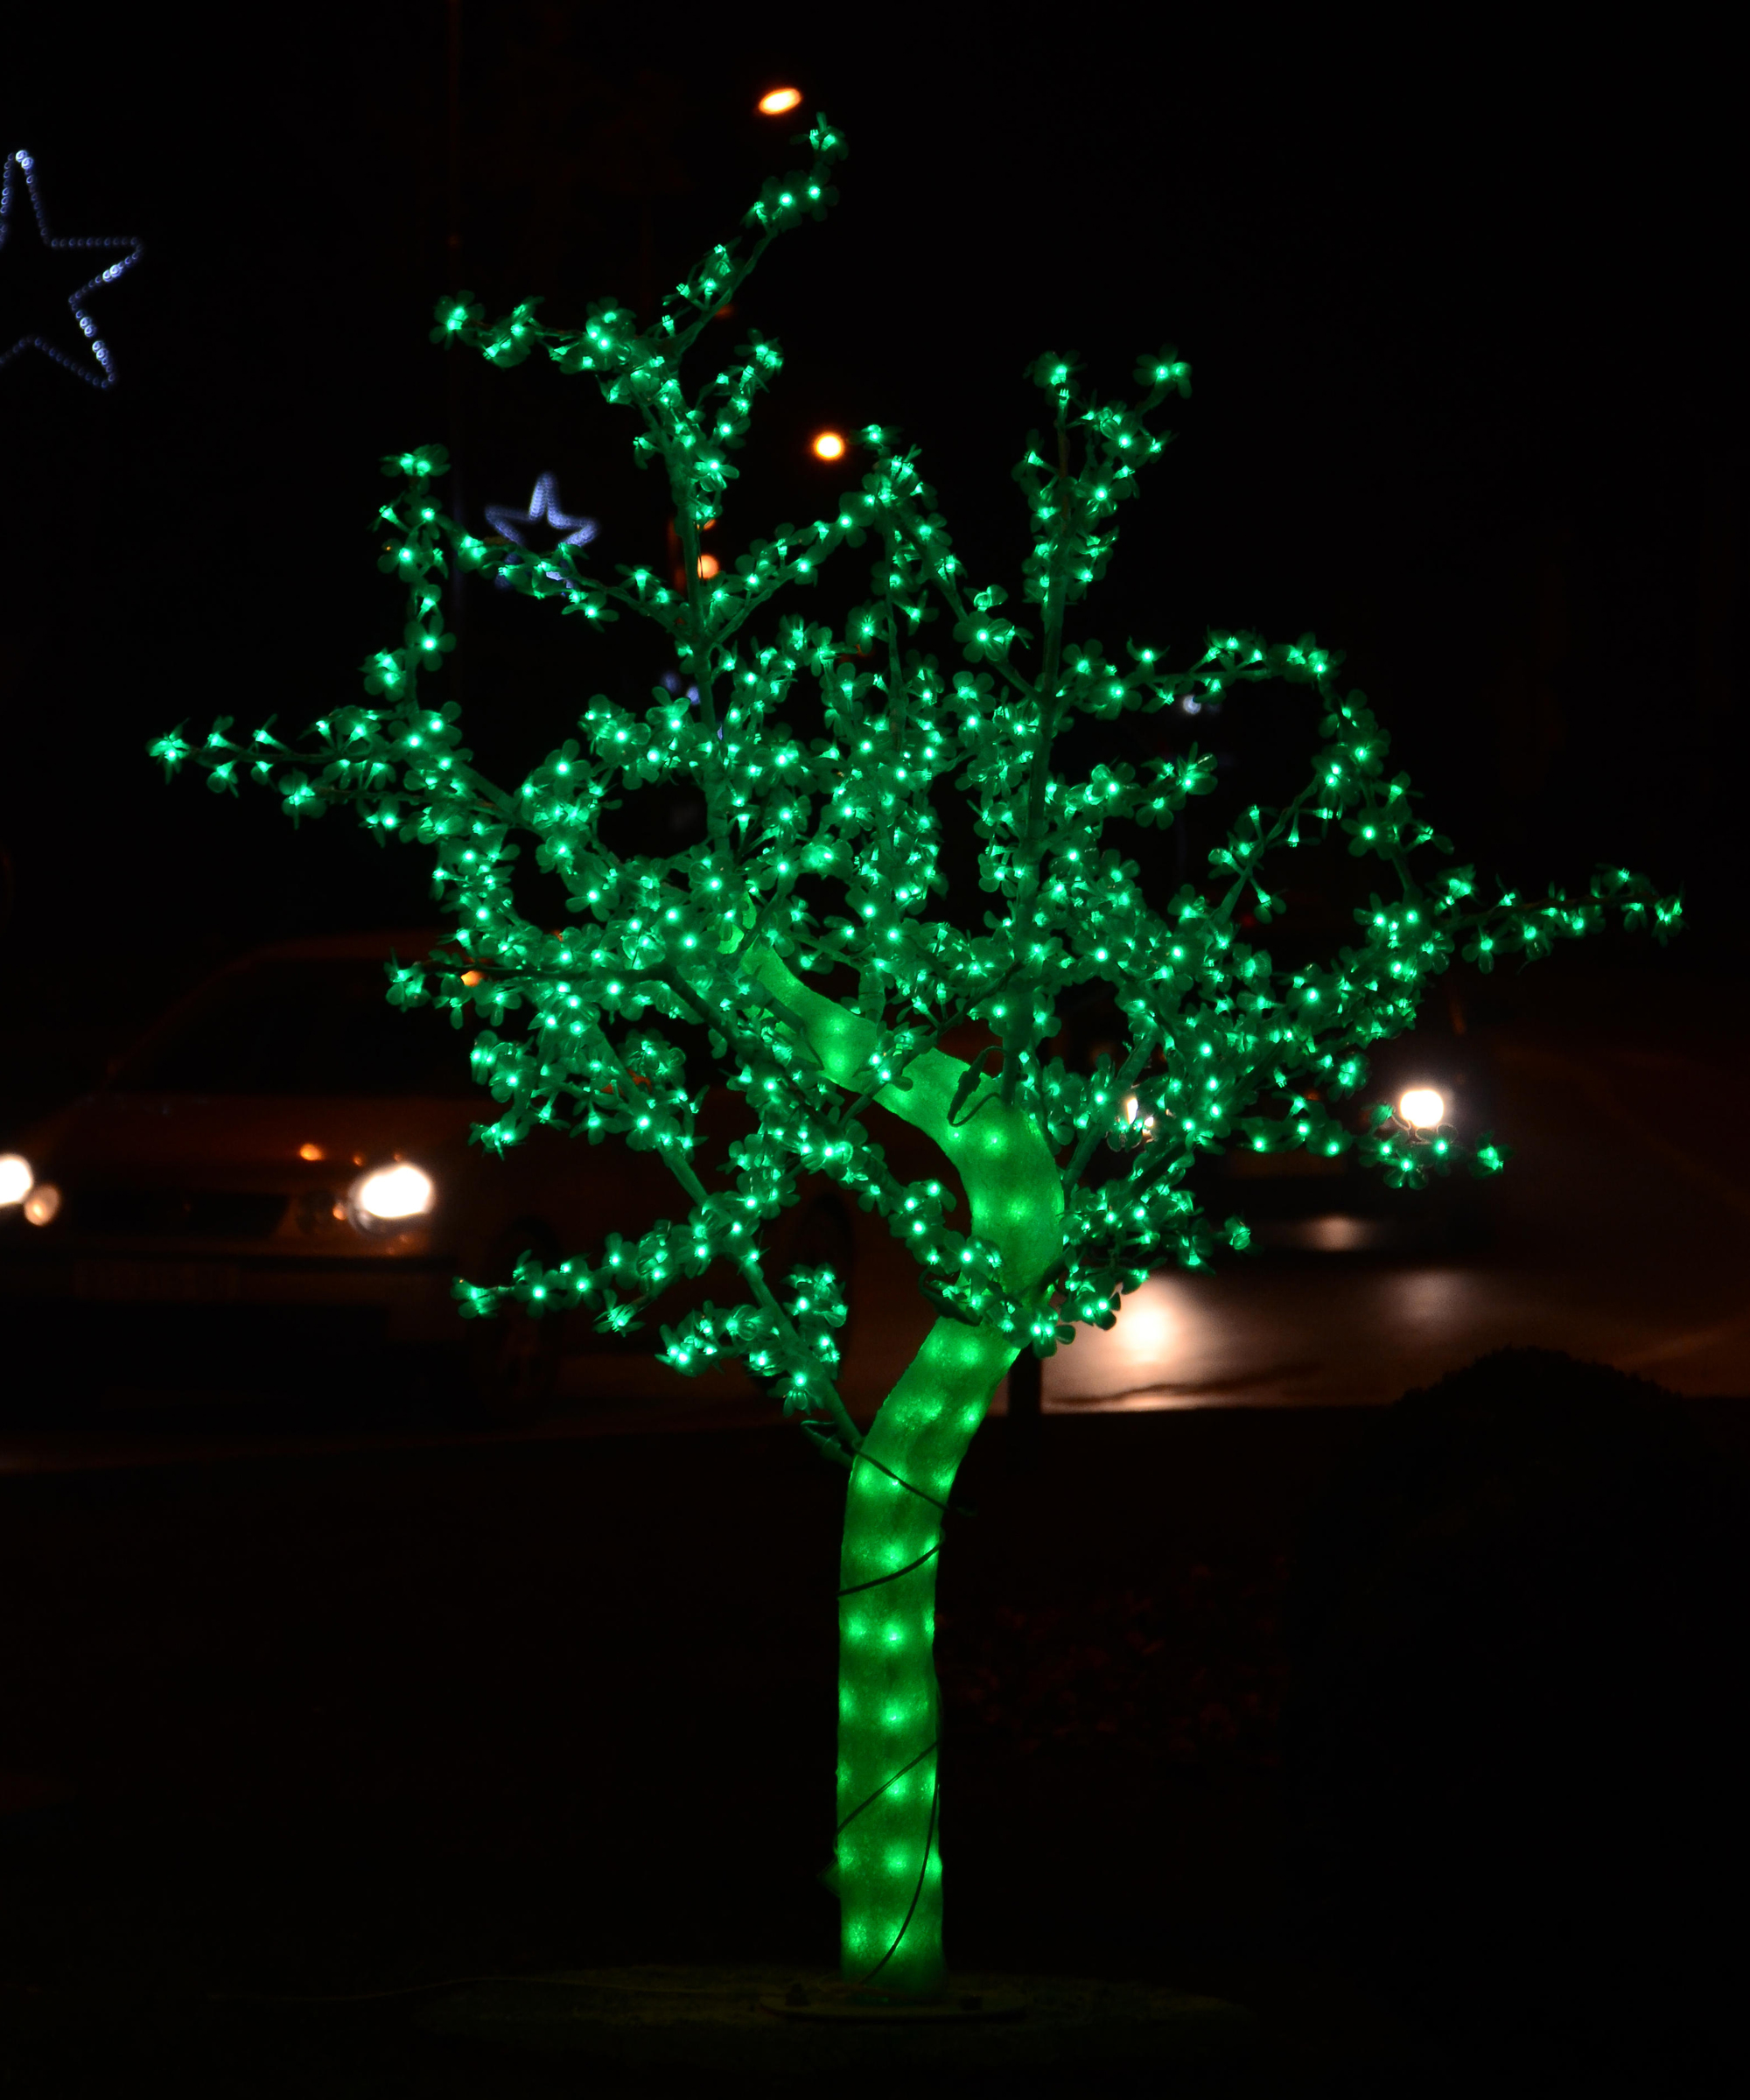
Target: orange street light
{"type": "Point", "coordinates": [829, 445]}
{"type": "Point", "coordinates": [778, 100]}
{"type": "Point", "coordinates": [708, 566]}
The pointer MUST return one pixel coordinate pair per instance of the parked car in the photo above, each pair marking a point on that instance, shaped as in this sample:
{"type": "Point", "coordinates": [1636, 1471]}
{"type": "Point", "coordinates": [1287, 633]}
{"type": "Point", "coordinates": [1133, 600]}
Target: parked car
{"type": "Point", "coordinates": [276, 1183]}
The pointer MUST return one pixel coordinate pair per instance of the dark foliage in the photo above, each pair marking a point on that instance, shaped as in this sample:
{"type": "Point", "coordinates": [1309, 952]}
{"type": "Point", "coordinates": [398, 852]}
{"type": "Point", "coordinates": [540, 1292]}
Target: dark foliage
{"type": "Point", "coordinates": [1513, 1731]}
{"type": "Point", "coordinates": [1190, 1673]}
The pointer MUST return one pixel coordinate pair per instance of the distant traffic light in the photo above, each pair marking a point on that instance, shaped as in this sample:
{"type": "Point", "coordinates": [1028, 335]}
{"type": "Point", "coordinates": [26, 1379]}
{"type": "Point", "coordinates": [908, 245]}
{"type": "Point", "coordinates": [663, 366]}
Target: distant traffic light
{"type": "Point", "coordinates": [829, 445]}
{"type": "Point", "coordinates": [780, 101]}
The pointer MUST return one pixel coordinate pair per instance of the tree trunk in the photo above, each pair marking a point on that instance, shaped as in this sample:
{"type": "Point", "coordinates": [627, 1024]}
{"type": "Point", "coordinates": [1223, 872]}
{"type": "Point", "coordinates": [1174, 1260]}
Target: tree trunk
{"type": "Point", "coordinates": [888, 1870]}
{"type": "Point", "coordinates": [888, 1867]}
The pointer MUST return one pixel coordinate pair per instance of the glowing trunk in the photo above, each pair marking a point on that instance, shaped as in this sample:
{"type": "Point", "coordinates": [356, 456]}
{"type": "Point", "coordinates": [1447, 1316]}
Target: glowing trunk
{"type": "Point", "coordinates": [888, 1870]}
{"type": "Point", "coordinates": [889, 1857]}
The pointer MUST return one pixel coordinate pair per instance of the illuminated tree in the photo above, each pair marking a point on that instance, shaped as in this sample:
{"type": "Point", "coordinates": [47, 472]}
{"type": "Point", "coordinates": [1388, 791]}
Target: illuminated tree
{"type": "Point", "coordinates": [801, 952]}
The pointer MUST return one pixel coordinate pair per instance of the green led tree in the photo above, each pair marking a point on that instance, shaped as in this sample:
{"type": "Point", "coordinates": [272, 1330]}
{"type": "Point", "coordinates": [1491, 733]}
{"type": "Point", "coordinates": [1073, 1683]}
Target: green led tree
{"type": "Point", "coordinates": [822, 859]}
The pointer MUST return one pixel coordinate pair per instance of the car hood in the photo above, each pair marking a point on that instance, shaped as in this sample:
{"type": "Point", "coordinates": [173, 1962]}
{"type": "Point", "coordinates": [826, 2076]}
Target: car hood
{"type": "Point", "coordinates": [248, 1138]}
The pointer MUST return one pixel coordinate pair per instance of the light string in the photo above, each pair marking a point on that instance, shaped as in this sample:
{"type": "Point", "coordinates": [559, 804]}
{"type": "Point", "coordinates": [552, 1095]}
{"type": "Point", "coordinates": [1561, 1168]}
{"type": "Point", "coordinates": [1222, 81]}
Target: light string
{"type": "Point", "coordinates": [910, 1487]}
{"type": "Point", "coordinates": [821, 864]}
{"type": "Point", "coordinates": [929, 1852]}
{"type": "Point", "coordinates": [105, 377]}
{"type": "Point", "coordinates": [924, 1865]}
{"type": "Point", "coordinates": [910, 1764]}
{"type": "Point", "coordinates": [893, 1575]}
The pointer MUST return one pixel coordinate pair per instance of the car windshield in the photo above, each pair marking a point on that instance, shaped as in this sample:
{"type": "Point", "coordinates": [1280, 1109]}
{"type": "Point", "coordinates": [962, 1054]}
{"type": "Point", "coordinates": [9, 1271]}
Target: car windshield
{"type": "Point", "coordinates": [301, 1028]}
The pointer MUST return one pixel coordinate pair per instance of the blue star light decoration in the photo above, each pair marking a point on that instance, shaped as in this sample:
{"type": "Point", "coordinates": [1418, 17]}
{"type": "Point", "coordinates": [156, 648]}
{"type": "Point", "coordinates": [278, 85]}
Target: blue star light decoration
{"type": "Point", "coordinates": [125, 249]}
{"type": "Point", "coordinates": [544, 510]}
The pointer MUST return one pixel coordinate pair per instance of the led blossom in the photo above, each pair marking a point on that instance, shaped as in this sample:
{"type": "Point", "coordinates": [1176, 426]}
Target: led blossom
{"type": "Point", "coordinates": [804, 939]}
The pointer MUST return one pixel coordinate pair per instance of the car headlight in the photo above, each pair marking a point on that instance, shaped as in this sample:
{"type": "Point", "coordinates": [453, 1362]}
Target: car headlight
{"type": "Point", "coordinates": [1422, 1108]}
{"type": "Point", "coordinates": [16, 1178]}
{"type": "Point", "coordinates": [388, 1194]}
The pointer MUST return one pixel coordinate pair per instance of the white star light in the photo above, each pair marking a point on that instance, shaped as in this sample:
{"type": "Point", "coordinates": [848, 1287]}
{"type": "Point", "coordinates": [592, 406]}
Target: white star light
{"type": "Point", "coordinates": [22, 163]}
{"type": "Point", "coordinates": [544, 510]}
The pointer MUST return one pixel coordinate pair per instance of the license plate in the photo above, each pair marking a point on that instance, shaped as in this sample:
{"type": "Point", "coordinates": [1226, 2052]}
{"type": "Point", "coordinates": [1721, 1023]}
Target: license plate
{"type": "Point", "coordinates": [181, 1282]}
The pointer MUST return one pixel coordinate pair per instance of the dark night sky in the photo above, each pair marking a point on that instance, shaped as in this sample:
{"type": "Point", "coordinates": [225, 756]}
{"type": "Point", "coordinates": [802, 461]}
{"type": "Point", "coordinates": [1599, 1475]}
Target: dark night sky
{"type": "Point", "coordinates": [1461, 323]}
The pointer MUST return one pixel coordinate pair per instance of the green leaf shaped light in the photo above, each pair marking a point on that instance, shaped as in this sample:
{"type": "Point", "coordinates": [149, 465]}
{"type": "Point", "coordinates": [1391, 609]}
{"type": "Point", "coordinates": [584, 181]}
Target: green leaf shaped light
{"type": "Point", "coordinates": [822, 859]}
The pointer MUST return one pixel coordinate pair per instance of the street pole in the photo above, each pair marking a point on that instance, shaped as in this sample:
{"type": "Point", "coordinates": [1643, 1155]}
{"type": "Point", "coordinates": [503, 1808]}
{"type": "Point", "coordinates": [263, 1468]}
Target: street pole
{"type": "Point", "coordinates": [454, 377]}
{"type": "Point", "coordinates": [1024, 1412]}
